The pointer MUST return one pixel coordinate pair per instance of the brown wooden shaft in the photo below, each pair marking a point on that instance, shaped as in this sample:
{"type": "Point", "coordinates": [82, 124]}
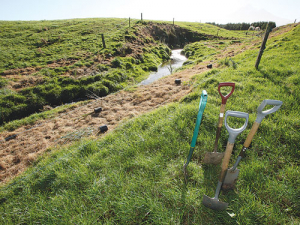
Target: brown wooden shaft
{"type": "Point", "coordinates": [251, 134]}
{"type": "Point", "coordinates": [221, 117]}
{"type": "Point", "coordinates": [217, 139]}
{"type": "Point", "coordinates": [225, 161]}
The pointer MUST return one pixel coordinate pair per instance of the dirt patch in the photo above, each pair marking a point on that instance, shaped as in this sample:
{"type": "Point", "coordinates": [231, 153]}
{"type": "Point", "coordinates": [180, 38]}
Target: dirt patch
{"type": "Point", "coordinates": [173, 35]}
{"type": "Point", "coordinates": [23, 71]}
{"type": "Point", "coordinates": [23, 81]}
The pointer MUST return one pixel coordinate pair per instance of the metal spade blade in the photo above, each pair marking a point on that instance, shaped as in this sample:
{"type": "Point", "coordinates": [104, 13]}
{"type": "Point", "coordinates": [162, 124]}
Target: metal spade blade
{"type": "Point", "coordinates": [230, 178]}
{"type": "Point", "coordinates": [213, 157]}
{"type": "Point", "coordinates": [214, 203]}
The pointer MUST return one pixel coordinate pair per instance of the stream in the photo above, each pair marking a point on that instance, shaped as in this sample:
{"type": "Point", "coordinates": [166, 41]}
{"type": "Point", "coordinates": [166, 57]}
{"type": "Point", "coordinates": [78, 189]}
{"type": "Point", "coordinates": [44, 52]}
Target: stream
{"type": "Point", "coordinates": [177, 61]}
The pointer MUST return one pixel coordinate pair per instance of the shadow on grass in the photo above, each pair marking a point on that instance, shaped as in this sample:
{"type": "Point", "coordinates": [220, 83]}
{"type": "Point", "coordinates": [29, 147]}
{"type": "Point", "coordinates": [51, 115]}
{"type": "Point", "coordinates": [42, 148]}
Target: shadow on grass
{"type": "Point", "coordinates": [183, 202]}
{"type": "Point", "coordinates": [211, 177]}
{"type": "Point", "coordinates": [192, 210]}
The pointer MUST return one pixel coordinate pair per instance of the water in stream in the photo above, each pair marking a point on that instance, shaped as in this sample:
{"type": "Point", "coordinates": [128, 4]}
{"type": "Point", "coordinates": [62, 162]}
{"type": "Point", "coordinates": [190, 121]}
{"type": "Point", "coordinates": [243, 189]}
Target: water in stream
{"type": "Point", "coordinates": [177, 61]}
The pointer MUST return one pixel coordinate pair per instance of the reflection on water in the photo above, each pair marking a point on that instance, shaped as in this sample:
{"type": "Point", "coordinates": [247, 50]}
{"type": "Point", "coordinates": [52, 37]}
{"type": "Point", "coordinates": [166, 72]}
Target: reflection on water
{"type": "Point", "coordinates": [163, 70]}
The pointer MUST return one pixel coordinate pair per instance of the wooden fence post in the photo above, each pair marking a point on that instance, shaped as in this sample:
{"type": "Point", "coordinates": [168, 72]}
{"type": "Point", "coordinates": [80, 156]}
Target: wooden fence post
{"type": "Point", "coordinates": [173, 22]}
{"type": "Point", "coordinates": [263, 46]}
{"type": "Point", "coordinates": [129, 21]}
{"type": "Point", "coordinates": [103, 41]}
{"type": "Point", "coordinates": [141, 16]}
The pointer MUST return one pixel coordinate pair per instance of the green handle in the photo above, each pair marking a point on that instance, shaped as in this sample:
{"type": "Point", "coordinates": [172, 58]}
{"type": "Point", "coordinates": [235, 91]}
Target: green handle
{"type": "Point", "coordinates": [202, 104]}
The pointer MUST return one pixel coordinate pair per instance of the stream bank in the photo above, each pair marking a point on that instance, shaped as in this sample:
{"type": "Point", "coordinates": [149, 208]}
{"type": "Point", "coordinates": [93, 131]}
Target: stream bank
{"type": "Point", "coordinates": [165, 69]}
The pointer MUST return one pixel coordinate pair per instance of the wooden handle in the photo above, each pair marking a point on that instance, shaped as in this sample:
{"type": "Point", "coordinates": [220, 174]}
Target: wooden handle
{"type": "Point", "coordinates": [251, 134]}
{"type": "Point", "coordinates": [221, 117]}
{"type": "Point", "coordinates": [225, 161]}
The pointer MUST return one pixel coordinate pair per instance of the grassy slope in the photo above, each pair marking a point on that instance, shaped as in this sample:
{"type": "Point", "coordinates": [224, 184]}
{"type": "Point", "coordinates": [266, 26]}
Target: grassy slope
{"type": "Point", "coordinates": [65, 39]}
{"type": "Point", "coordinates": [212, 30]}
{"type": "Point", "coordinates": [134, 175]}
{"type": "Point", "coordinates": [72, 46]}
{"type": "Point", "coordinates": [45, 50]}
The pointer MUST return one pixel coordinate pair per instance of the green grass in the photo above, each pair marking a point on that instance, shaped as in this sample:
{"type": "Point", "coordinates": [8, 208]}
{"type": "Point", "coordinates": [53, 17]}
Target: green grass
{"type": "Point", "coordinates": [58, 52]}
{"type": "Point", "coordinates": [23, 42]}
{"type": "Point", "coordinates": [203, 50]}
{"type": "Point", "coordinates": [212, 30]}
{"type": "Point", "coordinates": [64, 47]}
{"type": "Point", "coordinates": [134, 174]}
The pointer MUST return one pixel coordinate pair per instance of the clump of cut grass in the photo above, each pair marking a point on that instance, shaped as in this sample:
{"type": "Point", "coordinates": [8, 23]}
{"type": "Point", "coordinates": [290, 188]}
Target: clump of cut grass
{"type": "Point", "coordinates": [32, 119]}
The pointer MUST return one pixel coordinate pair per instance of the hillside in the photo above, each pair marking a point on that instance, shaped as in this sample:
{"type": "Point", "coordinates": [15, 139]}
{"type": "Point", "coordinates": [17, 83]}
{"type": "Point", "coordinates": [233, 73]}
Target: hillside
{"type": "Point", "coordinates": [133, 174]}
{"type": "Point", "coordinates": [50, 63]}
{"type": "Point", "coordinates": [33, 135]}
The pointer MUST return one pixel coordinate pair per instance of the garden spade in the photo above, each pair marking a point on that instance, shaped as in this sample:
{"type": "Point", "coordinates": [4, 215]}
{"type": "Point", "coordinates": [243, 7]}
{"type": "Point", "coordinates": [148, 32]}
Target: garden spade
{"type": "Point", "coordinates": [216, 157]}
{"type": "Point", "coordinates": [214, 202]}
{"type": "Point", "coordinates": [232, 173]}
{"type": "Point", "coordinates": [202, 104]}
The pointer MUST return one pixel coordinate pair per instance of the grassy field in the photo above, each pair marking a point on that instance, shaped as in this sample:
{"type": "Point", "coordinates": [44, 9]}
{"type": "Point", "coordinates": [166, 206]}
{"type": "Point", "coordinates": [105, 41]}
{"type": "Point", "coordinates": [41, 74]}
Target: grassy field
{"type": "Point", "coordinates": [38, 43]}
{"type": "Point", "coordinates": [134, 175]}
{"type": "Point", "coordinates": [56, 62]}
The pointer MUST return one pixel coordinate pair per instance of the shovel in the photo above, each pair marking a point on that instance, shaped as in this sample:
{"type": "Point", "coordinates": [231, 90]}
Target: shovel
{"type": "Point", "coordinates": [202, 104]}
{"type": "Point", "coordinates": [214, 202]}
{"type": "Point", "coordinates": [216, 157]}
{"type": "Point", "coordinates": [232, 173]}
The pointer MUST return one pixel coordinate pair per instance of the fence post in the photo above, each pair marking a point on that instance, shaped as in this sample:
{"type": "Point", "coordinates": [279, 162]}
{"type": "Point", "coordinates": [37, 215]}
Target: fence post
{"type": "Point", "coordinates": [129, 21]}
{"type": "Point", "coordinates": [103, 41]}
{"type": "Point", "coordinates": [173, 22]}
{"type": "Point", "coordinates": [141, 16]}
{"type": "Point", "coordinates": [263, 46]}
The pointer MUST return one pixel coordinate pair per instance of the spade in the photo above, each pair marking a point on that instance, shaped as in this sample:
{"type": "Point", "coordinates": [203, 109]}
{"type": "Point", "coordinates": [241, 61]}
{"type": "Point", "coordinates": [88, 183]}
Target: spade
{"type": "Point", "coordinates": [232, 173]}
{"type": "Point", "coordinates": [215, 203]}
{"type": "Point", "coordinates": [216, 157]}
